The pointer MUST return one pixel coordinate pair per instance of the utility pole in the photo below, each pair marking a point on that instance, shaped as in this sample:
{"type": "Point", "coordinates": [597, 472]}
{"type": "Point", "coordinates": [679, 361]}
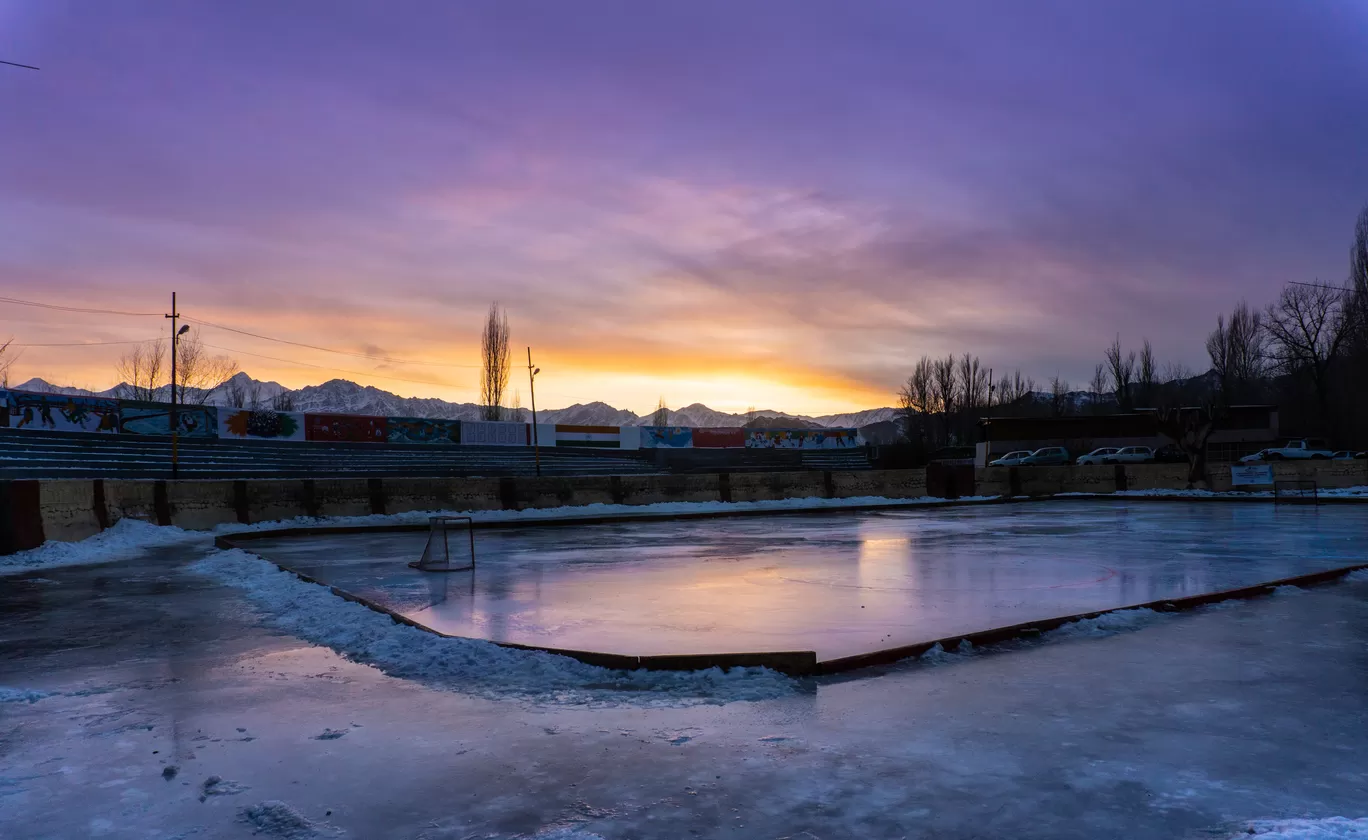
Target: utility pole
{"type": "Point", "coordinates": [532, 386]}
{"type": "Point", "coordinates": [172, 415]}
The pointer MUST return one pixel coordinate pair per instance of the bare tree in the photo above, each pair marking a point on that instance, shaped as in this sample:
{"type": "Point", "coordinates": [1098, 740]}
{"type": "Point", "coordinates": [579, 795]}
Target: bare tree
{"type": "Point", "coordinates": [973, 383]}
{"type": "Point", "coordinates": [1122, 370]}
{"type": "Point", "coordinates": [140, 371]}
{"type": "Point", "coordinates": [284, 401]}
{"type": "Point", "coordinates": [243, 392]}
{"type": "Point", "coordinates": [1146, 375]}
{"type": "Point", "coordinates": [1059, 396]}
{"type": "Point", "coordinates": [661, 417]}
{"type": "Point", "coordinates": [1097, 388]}
{"type": "Point", "coordinates": [915, 399]}
{"type": "Point", "coordinates": [1014, 388]}
{"type": "Point", "coordinates": [1191, 428]}
{"type": "Point", "coordinates": [943, 390]}
{"type": "Point", "coordinates": [494, 362]}
{"type": "Point", "coordinates": [198, 374]}
{"type": "Point", "coordinates": [7, 360]}
{"type": "Point", "coordinates": [1238, 349]}
{"type": "Point", "coordinates": [1358, 284]}
{"type": "Point", "coordinates": [1308, 327]}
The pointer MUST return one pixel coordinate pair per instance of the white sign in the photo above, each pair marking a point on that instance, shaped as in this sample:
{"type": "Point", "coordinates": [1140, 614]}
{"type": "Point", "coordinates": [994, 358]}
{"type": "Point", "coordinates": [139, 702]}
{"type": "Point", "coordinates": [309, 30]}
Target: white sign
{"type": "Point", "coordinates": [1251, 475]}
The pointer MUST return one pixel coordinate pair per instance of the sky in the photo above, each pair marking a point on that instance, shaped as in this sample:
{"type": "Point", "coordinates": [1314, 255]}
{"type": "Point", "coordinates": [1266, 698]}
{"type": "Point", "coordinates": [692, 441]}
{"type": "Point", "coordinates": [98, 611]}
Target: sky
{"type": "Point", "coordinates": [774, 203]}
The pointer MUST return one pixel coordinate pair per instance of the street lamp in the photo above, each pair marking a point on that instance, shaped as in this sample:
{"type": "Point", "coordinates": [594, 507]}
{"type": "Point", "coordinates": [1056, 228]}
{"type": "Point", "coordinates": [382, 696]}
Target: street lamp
{"type": "Point", "coordinates": [532, 386]}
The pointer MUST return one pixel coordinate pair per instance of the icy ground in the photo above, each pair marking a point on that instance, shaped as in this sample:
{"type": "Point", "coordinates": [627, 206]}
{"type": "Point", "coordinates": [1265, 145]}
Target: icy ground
{"type": "Point", "coordinates": [183, 692]}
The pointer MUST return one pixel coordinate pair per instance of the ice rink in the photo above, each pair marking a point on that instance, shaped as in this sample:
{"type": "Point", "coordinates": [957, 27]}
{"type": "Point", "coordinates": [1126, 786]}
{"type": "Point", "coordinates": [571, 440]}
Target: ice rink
{"type": "Point", "coordinates": [836, 583]}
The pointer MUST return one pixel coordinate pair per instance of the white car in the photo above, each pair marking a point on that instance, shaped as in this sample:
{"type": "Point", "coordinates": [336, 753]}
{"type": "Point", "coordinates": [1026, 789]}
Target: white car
{"type": "Point", "coordinates": [1011, 459]}
{"type": "Point", "coordinates": [1131, 455]}
{"type": "Point", "coordinates": [1096, 456]}
{"type": "Point", "coordinates": [1047, 456]}
{"type": "Point", "coordinates": [1257, 458]}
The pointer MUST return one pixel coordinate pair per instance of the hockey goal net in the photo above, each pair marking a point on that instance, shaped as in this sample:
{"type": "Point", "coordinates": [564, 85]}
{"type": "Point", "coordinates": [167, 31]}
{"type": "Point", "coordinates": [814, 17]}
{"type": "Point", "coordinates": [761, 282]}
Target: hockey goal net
{"type": "Point", "coordinates": [450, 545]}
{"type": "Point", "coordinates": [1295, 491]}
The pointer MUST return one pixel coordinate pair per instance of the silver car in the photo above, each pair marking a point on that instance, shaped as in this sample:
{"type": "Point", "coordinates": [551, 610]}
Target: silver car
{"type": "Point", "coordinates": [1096, 456]}
{"type": "Point", "coordinates": [1011, 459]}
{"type": "Point", "coordinates": [1047, 456]}
{"type": "Point", "coordinates": [1131, 455]}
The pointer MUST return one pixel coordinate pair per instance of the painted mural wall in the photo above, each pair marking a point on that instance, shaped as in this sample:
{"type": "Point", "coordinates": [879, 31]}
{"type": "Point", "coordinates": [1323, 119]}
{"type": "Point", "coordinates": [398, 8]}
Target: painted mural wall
{"type": "Point", "coordinates": [666, 437]}
{"type": "Point", "coordinates": [346, 428]}
{"type": "Point", "coordinates": [803, 439]}
{"type": "Point", "coordinates": [244, 424]}
{"type": "Point", "coordinates": [142, 418]}
{"type": "Point", "coordinates": [719, 438]}
{"type": "Point", "coordinates": [594, 437]}
{"type": "Point", "coordinates": [423, 430]}
{"type": "Point", "coordinates": [60, 413]}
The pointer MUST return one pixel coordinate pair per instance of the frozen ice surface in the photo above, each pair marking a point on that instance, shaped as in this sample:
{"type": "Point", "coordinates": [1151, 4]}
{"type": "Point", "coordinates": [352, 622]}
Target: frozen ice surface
{"type": "Point", "coordinates": [1331, 828]}
{"type": "Point", "coordinates": [837, 583]}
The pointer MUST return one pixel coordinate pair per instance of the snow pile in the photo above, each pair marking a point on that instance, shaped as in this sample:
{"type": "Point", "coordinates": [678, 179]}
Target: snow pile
{"type": "Point", "coordinates": [1361, 576]}
{"type": "Point", "coordinates": [474, 666]}
{"type": "Point", "coordinates": [125, 540]}
{"type": "Point", "coordinates": [22, 695]}
{"type": "Point", "coordinates": [1330, 828]}
{"type": "Point", "coordinates": [1109, 624]}
{"type": "Point", "coordinates": [276, 819]}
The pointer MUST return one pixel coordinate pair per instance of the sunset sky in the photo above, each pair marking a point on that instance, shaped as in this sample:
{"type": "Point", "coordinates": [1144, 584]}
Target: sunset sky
{"type": "Point", "coordinates": [769, 203]}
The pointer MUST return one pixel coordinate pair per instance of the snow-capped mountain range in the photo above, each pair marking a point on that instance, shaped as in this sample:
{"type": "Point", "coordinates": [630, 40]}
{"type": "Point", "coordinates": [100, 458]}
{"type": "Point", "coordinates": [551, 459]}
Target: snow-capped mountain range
{"type": "Point", "coordinates": [346, 397]}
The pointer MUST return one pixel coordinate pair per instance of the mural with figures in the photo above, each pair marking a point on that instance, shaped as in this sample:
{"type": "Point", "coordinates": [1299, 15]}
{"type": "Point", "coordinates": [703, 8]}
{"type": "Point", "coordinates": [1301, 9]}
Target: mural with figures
{"type": "Point", "coordinates": [350, 428]}
{"type": "Point", "coordinates": [423, 430]}
{"type": "Point", "coordinates": [666, 437]}
{"type": "Point", "coordinates": [60, 413]}
{"type": "Point", "coordinates": [719, 438]}
{"type": "Point", "coordinates": [260, 425]}
{"type": "Point", "coordinates": [193, 421]}
{"type": "Point", "coordinates": [803, 439]}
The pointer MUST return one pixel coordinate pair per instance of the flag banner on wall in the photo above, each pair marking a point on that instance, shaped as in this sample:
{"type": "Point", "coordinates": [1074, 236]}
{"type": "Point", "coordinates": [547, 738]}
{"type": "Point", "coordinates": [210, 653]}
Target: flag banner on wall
{"type": "Point", "coordinates": [599, 437]}
{"type": "Point", "coordinates": [349, 428]}
{"type": "Point", "coordinates": [423, 430]}
{"type": "Point", "coordinates": [60, 412]}
{"type": "Point", "coordinates": [719, 438]}
{"type": "Point", "coordinates": [146, 418]}
{"type": "Point", "coordinates": [666, 437]}
{"type": "Point", "coordinates": [242, 423]}
{"type": "Point", "coordinates": [494, 433]}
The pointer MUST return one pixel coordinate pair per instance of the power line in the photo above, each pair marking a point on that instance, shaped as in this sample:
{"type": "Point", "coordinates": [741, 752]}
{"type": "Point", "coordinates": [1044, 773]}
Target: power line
{"type": "Point", "coordinates": [354, 354]}
{"type": "Point", "coordinates": [75, 308]}
{"type": "Point", "coordinates": [329, 369]}
{"type": "Point", "coordinates": [1319, 286]}
{"type": "Point", "coordinates": [17, 64]}
{"type": "Point", "coordinates": [88, 343]}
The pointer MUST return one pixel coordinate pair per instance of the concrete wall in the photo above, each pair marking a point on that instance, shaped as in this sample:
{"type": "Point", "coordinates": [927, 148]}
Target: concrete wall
{"type": "Point", "coordinates": [31, 511]}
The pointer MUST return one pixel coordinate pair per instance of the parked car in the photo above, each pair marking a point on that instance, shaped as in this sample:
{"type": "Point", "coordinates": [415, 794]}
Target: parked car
{"type": "Point", "coordinates": [1170, 455]}
{"type": "Point", "coordinates": [1047, 456]}
{"type": "Point", "coordinates": [1131, 455]}
{"type": "Point", "coordinates": [1256, 457]}
{"type": "Point", "coordinates": [1343, 455]}
{"type": "Point", "coordinates": [1011, 459]}
{"type": "Point", "coordinates": [1298, 450]}
{"type": "Point", "coordinates": [1363, 454]}
{"type": "Point", "coordinates": [1095, 457]}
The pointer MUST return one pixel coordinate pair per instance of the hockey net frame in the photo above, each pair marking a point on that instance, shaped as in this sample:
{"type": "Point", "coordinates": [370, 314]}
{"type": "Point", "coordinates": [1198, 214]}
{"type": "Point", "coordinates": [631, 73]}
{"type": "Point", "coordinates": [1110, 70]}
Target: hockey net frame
{"type": "Point", "coordinates": [1296, 491]}
{"type": "Point", "coordinates": [436, 555]}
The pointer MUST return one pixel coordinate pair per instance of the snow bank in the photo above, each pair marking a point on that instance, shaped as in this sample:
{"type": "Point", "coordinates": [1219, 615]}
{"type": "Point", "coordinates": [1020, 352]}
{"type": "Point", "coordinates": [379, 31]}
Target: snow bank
{"type": "Point", "coordinates": [473, 666]}
{"type": "Point", "coordinates": [1121, 621]}
{"type": "Point", "coordinates": [22, 695]}
{"type": "Point", "coordinates": [125, 540]}
{"type": "Point", "coordinates": [1330, 828]}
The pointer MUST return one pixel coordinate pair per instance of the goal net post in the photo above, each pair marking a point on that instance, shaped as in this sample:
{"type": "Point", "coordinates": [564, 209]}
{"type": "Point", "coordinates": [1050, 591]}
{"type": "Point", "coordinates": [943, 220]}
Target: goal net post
{"type": "Point", "coordinates": [1295, 491]}
{"type": "Point", "coordinates": [450, 545]}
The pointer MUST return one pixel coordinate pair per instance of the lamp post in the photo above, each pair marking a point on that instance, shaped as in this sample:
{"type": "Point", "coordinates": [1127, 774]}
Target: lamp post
{"type": "Point", "coordinates": [172, 417]}
{"type": "Point", "coordinates": [532, 387]}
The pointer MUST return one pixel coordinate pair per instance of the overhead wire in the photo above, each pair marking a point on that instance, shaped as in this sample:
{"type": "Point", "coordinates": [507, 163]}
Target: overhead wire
{"type": "Point", "coordinates": [324, 367]}
{"type": "Point", "coordinates": [371, 356]}
{"type": "Point", "coordinates": [19, 302]}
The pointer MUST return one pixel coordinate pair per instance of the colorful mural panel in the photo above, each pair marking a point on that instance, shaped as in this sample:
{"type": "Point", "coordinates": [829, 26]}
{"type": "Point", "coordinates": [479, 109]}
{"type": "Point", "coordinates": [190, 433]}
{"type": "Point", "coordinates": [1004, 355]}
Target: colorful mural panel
{"type": "Point", "coordinates": [60, 413]}
{"type": "Point", "coordinates": [597, 437]}
{"type": "Point", "coordinates": [666, 437]}
{"type": "Point", "coordinates": [719, 438]}
{"type": "Point", "coordinates": [423, 430]}
{"type": "Point", "coordinates": [350, 428]}
{"type": "Point", "coordinates": [803, 438]}
{"type": "Point", "coordinates": [260, 425]}
{"type": "Point", "coordinates": [142, 418]}
{"type": "Point", "coordinates": [494, 433]}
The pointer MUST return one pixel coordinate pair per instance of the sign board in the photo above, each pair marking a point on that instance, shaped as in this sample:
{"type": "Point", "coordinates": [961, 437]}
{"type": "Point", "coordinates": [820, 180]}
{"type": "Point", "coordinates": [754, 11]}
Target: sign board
{"type": "Point", "coordinates": [1244, 476]}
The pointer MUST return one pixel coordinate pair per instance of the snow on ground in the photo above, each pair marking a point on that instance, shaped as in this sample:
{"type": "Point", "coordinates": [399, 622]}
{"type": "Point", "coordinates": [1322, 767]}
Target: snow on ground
{"type": "Point", "coordinates": [474, 666]}
{"type": "Point", "coordinates": [1330, 828]}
